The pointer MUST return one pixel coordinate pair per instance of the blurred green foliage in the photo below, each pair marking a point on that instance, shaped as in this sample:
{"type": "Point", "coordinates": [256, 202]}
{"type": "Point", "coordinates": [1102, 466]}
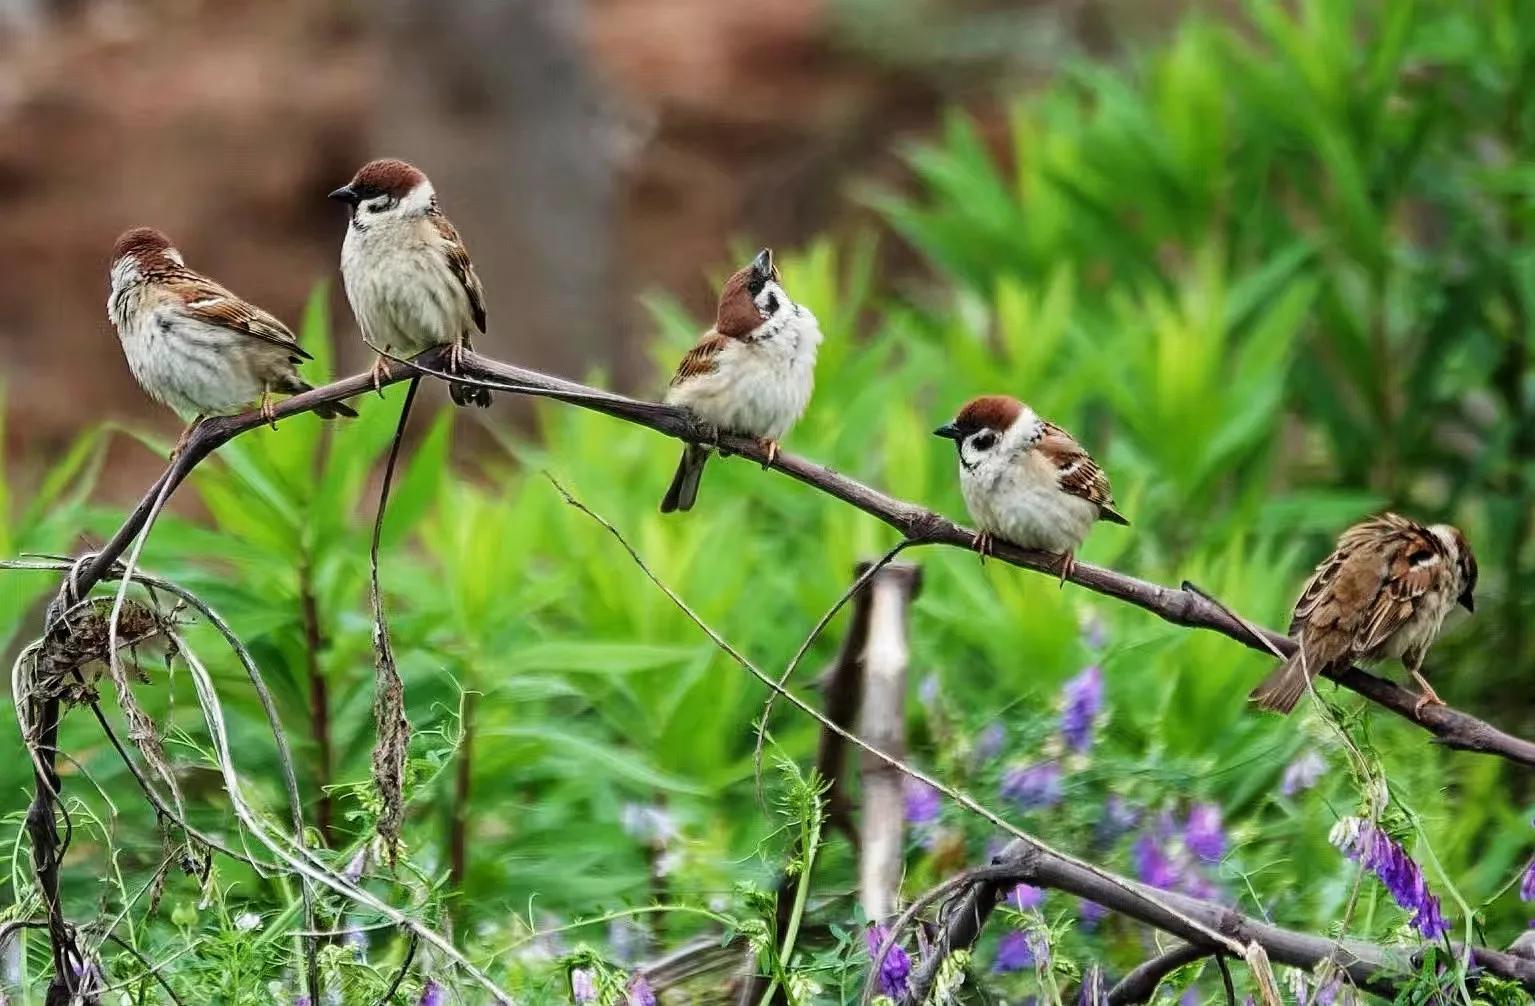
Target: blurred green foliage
{"type": "Point", "coordinates": [1275, 273]}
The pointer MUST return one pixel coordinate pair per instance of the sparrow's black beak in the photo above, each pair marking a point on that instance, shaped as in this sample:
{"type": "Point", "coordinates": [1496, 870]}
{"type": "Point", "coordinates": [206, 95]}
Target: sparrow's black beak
{"type": "Point", "coordinates": [762, 265]}
{"type": "Point", "coordinates": [949, 432]}
{"type": "Point", "coordinates": [1467, 601]}
{"type": "Point", "coordinates": [345, 194]}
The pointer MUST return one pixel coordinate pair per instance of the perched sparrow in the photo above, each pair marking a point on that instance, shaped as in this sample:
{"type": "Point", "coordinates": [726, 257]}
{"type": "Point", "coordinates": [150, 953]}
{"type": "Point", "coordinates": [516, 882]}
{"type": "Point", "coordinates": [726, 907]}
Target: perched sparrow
{"type": "Point", "coordinates": [408, 275]}
{"type": "Point", "coordinates": [750, 374]}
{"type": "Point", "coordinates": [1382, 594]}
{"type": "Point", "coordinates": [192, 344]}
{"type": "Point", "coordinates": [1026, 480]}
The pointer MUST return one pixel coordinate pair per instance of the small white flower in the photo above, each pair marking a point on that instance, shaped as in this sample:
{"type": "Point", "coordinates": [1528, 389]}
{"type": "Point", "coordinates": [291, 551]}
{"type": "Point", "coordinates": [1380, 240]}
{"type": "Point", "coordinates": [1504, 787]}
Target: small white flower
{"type": "Point", "coordinates": [246, 921]}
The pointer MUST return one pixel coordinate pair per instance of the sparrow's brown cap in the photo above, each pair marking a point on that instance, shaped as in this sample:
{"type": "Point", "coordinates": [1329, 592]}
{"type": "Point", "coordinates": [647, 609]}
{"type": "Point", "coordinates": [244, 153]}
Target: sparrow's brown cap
{"type": "Point", "coordinates": [989, 412]}
{"type": "Point", "coordinates": [384, 177]}
{"type": "Point", "coordinates": [141, 242]}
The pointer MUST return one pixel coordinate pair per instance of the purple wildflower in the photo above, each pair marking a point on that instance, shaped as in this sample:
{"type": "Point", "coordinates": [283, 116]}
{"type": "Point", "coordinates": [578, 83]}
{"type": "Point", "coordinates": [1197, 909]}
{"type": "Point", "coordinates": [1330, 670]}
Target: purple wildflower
{"type": "Point", "coordinates": [582, 988]}
{"type": "Point", "coordinates": [1033, 786]}
{"type": "Point", "coordinates": [432, 994]}
{"type": "Point", "coordinates": [1190, 997]}
{"type": "Point", "coordinates": [1014, 952]}
{"type": "Point", "coordinates": [1527, 886]}
{"type": "Point", "coordinates": [1081, 701]}
{"type": "Point", "coordinates": [1302, 773]}
{"type": "Point", "coordinates": [1027, 896]}
{"type": "Point", "coordinates": [1090, 914]}
{"type": "Point", "coordinates": [1374, 850]}
{"type": "Point", "coordinates": [1203, 835]}
{"type": "Point", "coordinates": [895, 969]}
{"type": "Point", "coordinates": [1152, 865]}
{"type": "Point", "coordinates": [639, 992]}
{"type": "Point", "coordinates": [302, 999]}
{"type": "Point", "coordinates": [923, 802]}
{"type": "Point", "coordinates": [1018, 950]}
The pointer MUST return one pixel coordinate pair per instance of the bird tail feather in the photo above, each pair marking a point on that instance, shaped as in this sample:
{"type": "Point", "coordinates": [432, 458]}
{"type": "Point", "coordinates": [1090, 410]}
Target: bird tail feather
{"type": "Point", "coordinates": [1282, 689]}
{"type": "Point", "coordinates": [684, 488]}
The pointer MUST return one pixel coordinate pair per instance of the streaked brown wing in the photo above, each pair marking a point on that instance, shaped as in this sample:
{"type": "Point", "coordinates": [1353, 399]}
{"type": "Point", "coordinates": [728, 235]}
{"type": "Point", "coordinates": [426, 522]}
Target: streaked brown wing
{"type": "Point", "coordinates": [1076, 471]}
{"type": "Point", "coordinates": [207, 301]}
{"type": "Point", "coordinates": [1415, 564]}
{"type": "Point", "coordinates": [461, 267]}
{"type": "Point", "coordinates": [1365, 590]}
{"type": "Point", "coordinates": [702, 358]}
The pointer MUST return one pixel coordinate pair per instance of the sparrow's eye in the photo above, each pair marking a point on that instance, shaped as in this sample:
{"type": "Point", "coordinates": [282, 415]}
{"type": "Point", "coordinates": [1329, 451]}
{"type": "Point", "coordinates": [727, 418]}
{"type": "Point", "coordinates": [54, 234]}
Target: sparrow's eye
{"type": "Point", "coordinates": [755, 284]}
{"type": "Point", "coordinates": [983, 441]}
{"type": "Point", "coordinates": [379, 204]}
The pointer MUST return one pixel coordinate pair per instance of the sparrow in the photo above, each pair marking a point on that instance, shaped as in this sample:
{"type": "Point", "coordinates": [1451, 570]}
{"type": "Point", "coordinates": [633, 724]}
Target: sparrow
{"type": "Point", "coordinates": [1026, 480]}
{"type": "Point", "coordinates": [192, 344]}
{"type": "Point", "coordinates": [1382, 594]}
{"type": "Point", "coordinates": [408, 276]}
{"type": "Point", "coordinates": [751, 374]}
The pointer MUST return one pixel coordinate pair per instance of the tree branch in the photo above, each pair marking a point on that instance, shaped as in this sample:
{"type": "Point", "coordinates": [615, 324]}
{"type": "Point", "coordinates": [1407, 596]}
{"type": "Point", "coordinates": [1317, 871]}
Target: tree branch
{"type": "Point", "coordinates": [1452, 727]}
{"type": "Point", "coordinates": [1139, 984]}
{"type": "Point", "coordinates": [1369, 966]}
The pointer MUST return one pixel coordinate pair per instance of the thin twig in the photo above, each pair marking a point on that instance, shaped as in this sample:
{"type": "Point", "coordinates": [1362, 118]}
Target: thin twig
{"type": "Point", "coordinates": [399, 976]}
{"type": "Point", "coordinates": [388, 690]}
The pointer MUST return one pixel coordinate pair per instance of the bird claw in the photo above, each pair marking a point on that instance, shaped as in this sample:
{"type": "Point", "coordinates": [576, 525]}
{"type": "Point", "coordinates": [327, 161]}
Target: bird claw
{"type": "Point", "coordinates": [981, 542]}
{"type": "Point", "coordinates": [1067, 565]}
{"type": "Point", "coordinates": [456, 358]}
{"type": "Point", "coordinates": [268, 409]}
{"type": "Point", "coordinates": [1428, 697]}
{"type": "Point", "coordinates": [378, 373]}
{"type": "Point", "coordinates": [770, 447]}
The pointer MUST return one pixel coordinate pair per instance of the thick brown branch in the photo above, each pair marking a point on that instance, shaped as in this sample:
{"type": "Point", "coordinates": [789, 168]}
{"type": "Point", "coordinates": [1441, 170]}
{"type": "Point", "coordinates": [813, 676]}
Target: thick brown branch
{"type": "Point", "coordinates": [1368, 966]}
{"type": "Point", "coordinates": [1451, 727]}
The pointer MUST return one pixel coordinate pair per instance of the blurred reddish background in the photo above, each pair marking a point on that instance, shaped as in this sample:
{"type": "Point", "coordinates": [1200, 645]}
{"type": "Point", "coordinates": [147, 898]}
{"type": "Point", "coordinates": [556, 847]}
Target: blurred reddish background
{"type": "Point", "coordinates": [588, 151]}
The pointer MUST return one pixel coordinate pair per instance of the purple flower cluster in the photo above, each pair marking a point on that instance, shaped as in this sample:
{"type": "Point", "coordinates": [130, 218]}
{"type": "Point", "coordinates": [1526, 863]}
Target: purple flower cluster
{"type": "Point", "coordinates": [1152, 864]}
{"type": "Point", "coordinates": [895, 970]}
{"type": "Point", "coordinates": [1090, 914]}
{"type": "Point", "coordinates": [923, 802]}
{"type": "Point", "coordinates": [639, 992]}
{"type": "Point", "coordinates": [1033, 786]}
{"type": "Point", "coordinates": [1527, 886]}
{"type": "Point", "coordinates": [582, 988]}
{"type": "Point", "coordinates": [1019, 950]}
{"type": "Point", "coordinates": [432, 994]}
{"type": "Point", "coordinates": [1203, 835]}
{"type": "Point", "coordinates": [1374, 850]}
{"type": "Point", "coordinates": [1081, 702]}
{"type": "Point", "coordinates": [1027, 897]}
{"type": "Point", "coordinates": [1173, 858]}
{"type": "Point", "coordinates": [1302, 773]}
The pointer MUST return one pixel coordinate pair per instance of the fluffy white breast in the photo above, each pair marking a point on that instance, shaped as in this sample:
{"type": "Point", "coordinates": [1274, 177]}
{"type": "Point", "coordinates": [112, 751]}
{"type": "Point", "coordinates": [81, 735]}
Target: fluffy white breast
{"type": "Point", "coordinates": [404, 295]}
{"type": "Point", "coordinates": [761, 385]}
{"type": "Point", "coordinates": [1013, 492]}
